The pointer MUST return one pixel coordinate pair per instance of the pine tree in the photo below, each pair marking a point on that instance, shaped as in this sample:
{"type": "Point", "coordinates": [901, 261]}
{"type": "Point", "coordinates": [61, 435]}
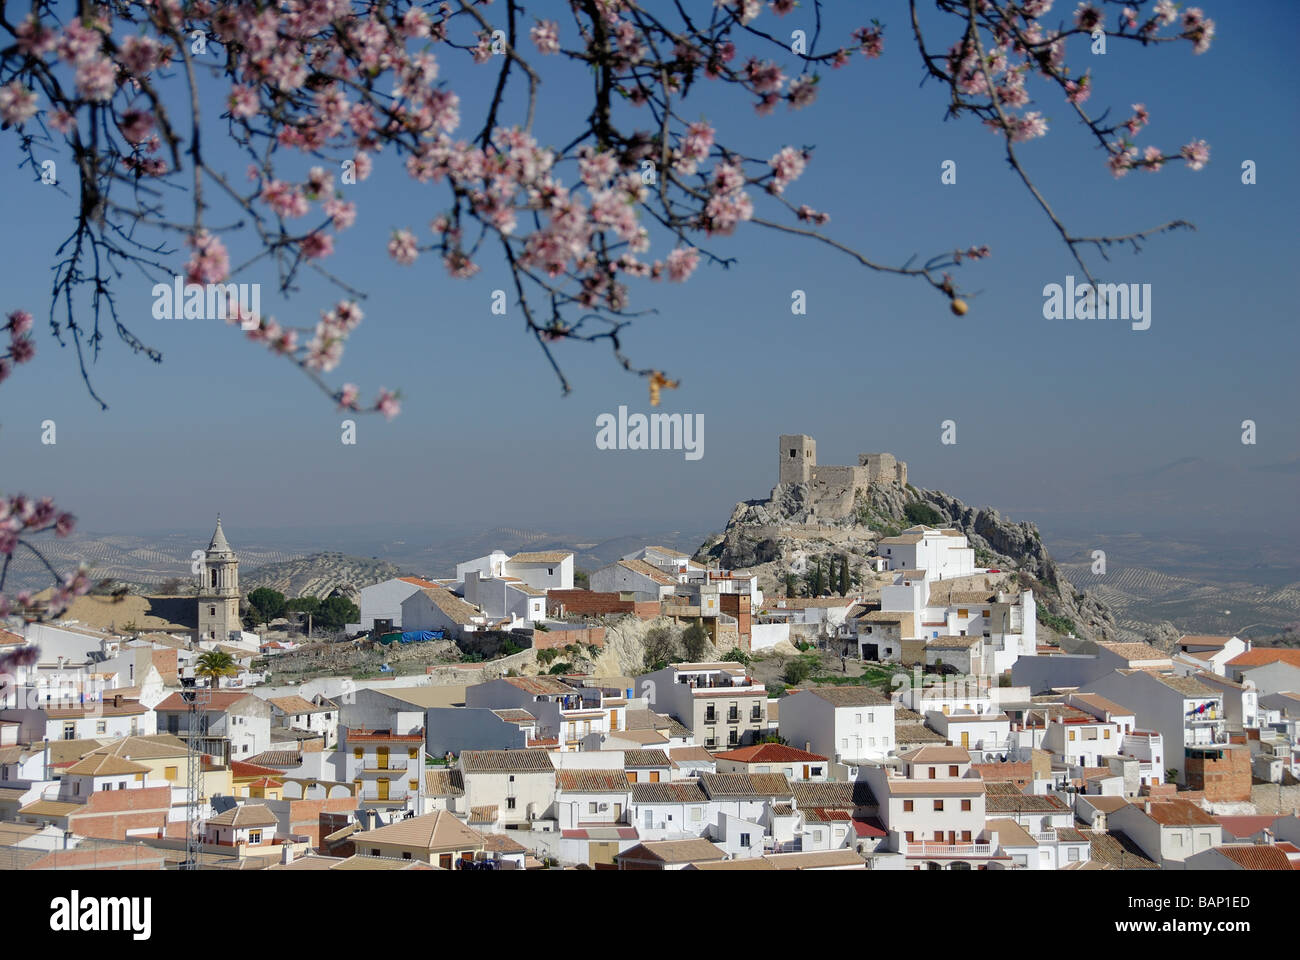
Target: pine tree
{"type": "Point", "coordinates": [846, 584]}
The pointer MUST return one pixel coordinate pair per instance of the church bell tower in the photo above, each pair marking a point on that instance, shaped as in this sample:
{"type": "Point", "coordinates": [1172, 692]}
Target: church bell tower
{"type": "Point", "coordinates": [219, 590]}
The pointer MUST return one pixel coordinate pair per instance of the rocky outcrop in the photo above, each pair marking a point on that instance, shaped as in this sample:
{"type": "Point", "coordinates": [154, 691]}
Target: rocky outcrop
{"type": "Point", "coordinates": [784, 534]}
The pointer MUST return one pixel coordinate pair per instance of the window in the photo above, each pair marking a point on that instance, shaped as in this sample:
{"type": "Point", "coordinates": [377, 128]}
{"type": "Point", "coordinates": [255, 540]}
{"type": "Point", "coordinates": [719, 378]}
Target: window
{"type": "Point", "coordinates": [169, 773]}
{"type": "Point", "coordinates": [550, 571]}
{"type": "Point", "coordinates": [413, 784]}
{"type": "Point", "coordinates": [984, 613]}
{"type": "Point", "coordinates": [510, 803]}
{"type": "Point", "coordinates": [406, 856]}
{"type": "Point", "coordinates": [69, 731]}
{"type": "Point", "coordinates": [101, 726]}
{"type": "Point", "coordinates": [952, 770]}
{"type": "Point", "coordinates": [857, 718]}
{"type": "Point", "coordinates": [965, 836]}
{"type": "Point", "coordinates": [1176, 839]}
{"type": "Point", "coordinates": [591, 808]}
{"type": "Point", "coordinates": [1071, 734]}
{"type": "Point", "coordinates": [871, 717]}
{"type": "Point", "coordinates": [909, 838]}
{"type": "Point", "coordinates": [697, 814]}
{"type": "Point", "coordinates": [254, 836]}
{"type": "Point", "coordinates": [844, 743]}
{"type": "Point", "coordinates": [744, 840]}
{"type": "Point", "coordinates": [965, 804]}
{"type": "Point", "coordinates": [357, 752]}
{"type": "Point", "coordinates": [907, 806]}
{"type": "Point", "coordinates": [1072, 853]}
{"type": "Point", "coordinates": [412, 753]}
{"type": "Point", "coordinates": [1107, 734]}
{"type": "Point", "coordinates": [938, 805]}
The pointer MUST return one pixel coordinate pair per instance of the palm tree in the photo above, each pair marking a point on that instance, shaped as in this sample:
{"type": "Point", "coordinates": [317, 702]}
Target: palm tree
{"type": "Point", "coordinates": [214, 665]}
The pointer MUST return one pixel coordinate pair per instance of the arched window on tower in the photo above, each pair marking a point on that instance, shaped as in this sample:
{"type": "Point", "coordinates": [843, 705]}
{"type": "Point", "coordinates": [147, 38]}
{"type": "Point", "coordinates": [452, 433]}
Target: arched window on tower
{"type": "Point", "coordinates": [214, 576]}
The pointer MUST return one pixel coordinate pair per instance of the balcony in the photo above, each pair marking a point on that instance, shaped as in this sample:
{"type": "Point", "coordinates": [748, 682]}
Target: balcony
{"type": "Point", "coordinates": [733, 717]}
{"type": "Point", "coordinates": [945, 851]}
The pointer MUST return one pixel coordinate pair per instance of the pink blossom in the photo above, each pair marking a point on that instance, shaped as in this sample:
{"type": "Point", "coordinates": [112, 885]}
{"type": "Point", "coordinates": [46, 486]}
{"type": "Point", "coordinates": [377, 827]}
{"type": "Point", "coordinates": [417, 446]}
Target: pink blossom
{"type": "Point", "coordinates": [79, 43]}
{"type": "Point", "coordinates": [402, 247]}
{"type": "Point", "coordinates": [1122, 161]}
{"type": "Point", "coordinates": [871, 41]}
{"type": "Point", "coordinates": [210, 263]}
{"type": "Point", "coordinates": [782, 7]}
{"type": "Point", "coordinates": [1080, 91]}
{"type": "Point", "coordinates": [415, 23]}
{"type": "Point", "coordinates": [1166, 12]}
{"type": "Point", "coordinates": [1153, 158]}
{"type": "Point", "coordinates": [22, 349]}
{"type": "Point", "coordinates": [348, 396]}
{"type": "Point", "coordinates": [803, 91]}
{"type": "Point", "coordinates": [96, 79]}
{"type": "Point", "coordinates": [317, 244]}
{"type": "Point", "coordinates": [363, 165]}
{"type": "Point", "coordinates": [285, 199]}
{"type": "Point", "coordinates": [136, 125]}
{"type": "Point", "coordinates": [459, 265]}
{"type": "Point", "coordinates": [787, 165]}
{"type": "Point", "coordinates": [806, 212]}
{"type": "Point", "coordinates": [17, 103]}
{"type": "Point", "coordinates": [546, 36]}
{"type": "Point", "coordinates": [342, 214]}
{"type": "Point", "coordinates": [34, 38]}
{"type": "Point", "coordinates": [1196, 153]}
{"type": "Point", "coordinates": [681, 263]}
{"type": "Point", "coordinates": [1139, 119]}
{"type": "Point", "coordinates": [5, 369]}
{"type": "Point", "coordinates": [20, 321]}
{"type": "Point", "coordinates": [62, 121]}
{"type": "Point", "coordinates": [595, 168]}
{"type": "Point", "coordinates": [1087, 17]}
{"type": "Point", "coordinates": [388, 403]}
{"type": "Point", "coordinates": [140, 54]}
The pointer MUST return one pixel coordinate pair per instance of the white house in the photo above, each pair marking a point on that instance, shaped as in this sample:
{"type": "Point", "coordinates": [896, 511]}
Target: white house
{"type": "Point", "coordinates": [544, 570]}
{"type": "Point", "coordinates": [1167, 830]}
{"type": "Point", "coordinates": [437, 608]}
{"type": "Point", "coordinates": [634, 576]}
{"type": "Point", "coordinates": [519, 784]}
{"type": "Point", "coordinates": [383, 601]}
{"type": "Point", "coordinates": [855, 722]}
{"type": "Point", "coordinates": [1197, 652]}
{"type": "Point", "coordinates": [943, 554]}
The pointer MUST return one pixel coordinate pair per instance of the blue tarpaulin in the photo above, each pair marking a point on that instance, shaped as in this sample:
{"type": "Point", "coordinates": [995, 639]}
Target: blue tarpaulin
{"type": "Point", "coordinates": [413, 636]}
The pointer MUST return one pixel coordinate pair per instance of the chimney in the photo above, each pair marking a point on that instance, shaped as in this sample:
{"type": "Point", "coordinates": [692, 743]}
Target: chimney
{"type": "Point", "coordinates": [1148, 808]}
{"type": "Point", "coordinates": [286, 853]}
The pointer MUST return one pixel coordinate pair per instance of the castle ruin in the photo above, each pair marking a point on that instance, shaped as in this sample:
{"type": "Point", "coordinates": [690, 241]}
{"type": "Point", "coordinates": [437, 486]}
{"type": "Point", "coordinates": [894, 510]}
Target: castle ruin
{"type": "Point", "coordinates": [833, 490]}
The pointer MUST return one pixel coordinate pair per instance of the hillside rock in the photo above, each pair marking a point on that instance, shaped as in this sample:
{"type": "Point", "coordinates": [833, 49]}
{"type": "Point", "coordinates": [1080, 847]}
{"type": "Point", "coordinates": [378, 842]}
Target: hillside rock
{"type": "Point", "coordinates": [784, 535]}
{"type": "Point", "coordinates": [319, 575]}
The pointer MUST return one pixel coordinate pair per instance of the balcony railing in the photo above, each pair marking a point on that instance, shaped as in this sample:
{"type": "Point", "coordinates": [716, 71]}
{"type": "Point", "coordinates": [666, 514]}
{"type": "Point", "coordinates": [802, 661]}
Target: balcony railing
{"type": "Point", "coordinates": [946, 850]}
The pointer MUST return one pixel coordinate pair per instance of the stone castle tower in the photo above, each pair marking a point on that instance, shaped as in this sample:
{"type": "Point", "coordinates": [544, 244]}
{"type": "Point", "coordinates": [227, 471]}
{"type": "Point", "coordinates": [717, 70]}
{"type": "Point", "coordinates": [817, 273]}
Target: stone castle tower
{"type": "Point", "coordinates": [833, 489]}
{"type": "Point", "coordinates": [219, 589]}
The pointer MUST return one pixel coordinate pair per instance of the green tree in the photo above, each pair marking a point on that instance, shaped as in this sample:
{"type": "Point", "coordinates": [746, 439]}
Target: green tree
{"type": "Point", "coordinates": [920, 512]}
{"type": "Point", "coordinates": [846, 583]}
{"type": "Point", "coordinates": [736, 655]}
{"type": "Point", "coordinates": [214, 665]}
{"type": "Point", "coordinates": [581, 580]}
{"type": "Point", "coordinates": [695, 640]}
{"type": "Point", "coordinates": [799, 669]}
{"type": "Point", "coordinates": [791, 585]}
{"type": "Point", "coordinates": [266, 604]}
{"type": "Point", "coordinates": [335, 612]}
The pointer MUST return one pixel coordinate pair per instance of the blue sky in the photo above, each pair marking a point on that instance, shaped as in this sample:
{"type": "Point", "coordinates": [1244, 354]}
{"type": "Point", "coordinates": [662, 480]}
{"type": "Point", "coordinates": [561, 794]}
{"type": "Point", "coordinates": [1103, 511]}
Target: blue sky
{"type": "Point", "coordinates": [1063, 422]}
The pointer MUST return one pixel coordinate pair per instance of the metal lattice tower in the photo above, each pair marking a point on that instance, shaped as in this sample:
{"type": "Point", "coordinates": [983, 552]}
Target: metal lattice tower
{"type": "Point", "coordinates": [196, 698]}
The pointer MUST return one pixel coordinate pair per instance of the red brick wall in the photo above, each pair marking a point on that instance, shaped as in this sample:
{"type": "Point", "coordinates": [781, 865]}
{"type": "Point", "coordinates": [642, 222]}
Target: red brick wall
{"type": "Point", "coordinates": [306, 816]}
{"type": "Point", "coordinates": [1224, 781]}
{"type": "Point", "coordinates": [737, 605]}
{"type": "Point", "coordinates": [108, 815]}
